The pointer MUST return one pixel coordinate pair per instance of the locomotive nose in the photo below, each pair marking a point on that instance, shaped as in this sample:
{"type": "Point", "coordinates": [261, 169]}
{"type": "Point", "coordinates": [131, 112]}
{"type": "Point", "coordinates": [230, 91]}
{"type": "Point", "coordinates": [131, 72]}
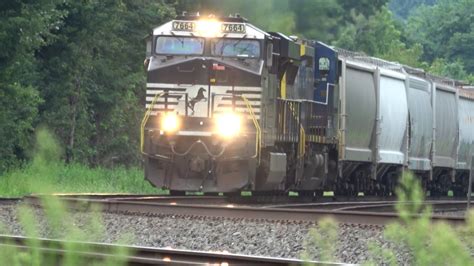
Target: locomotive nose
{"type": "Point", "coordinates": [197, 164]}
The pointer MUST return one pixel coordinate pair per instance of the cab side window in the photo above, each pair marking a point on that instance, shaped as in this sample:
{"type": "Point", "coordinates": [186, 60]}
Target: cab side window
{"type": "Point", "coordinates": [324, 65]}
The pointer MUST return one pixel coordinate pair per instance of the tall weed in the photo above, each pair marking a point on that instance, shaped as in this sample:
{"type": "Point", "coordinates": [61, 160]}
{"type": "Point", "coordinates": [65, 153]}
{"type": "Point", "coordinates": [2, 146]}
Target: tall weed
{"type": "Point", "coordinates": [47, 174]}
{"type": "Point", "coordinates": [60, 224]}
{"type": "Point", "coordinates": [429, 243]}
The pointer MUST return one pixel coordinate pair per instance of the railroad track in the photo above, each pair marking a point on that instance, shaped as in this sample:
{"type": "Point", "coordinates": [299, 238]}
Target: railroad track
{"type": "Point", "coordinates": [144, 214]}
{"type": "Point", "coordinates": [172, 206]}
{"type": "Point", "coordinates": [144, 255]}
{"type": "Point", "coordinates": [248, 200]}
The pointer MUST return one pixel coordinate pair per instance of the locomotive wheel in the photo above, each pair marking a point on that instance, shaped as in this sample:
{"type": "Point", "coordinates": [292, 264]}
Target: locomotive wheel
{"type": "Point", "coordinates": [310, 194]}
{"type": "Point", "coordinates": [434, 193]}
{"type": "Point", "coordinates": [318, 194]}
{"type": "Point", "coordinates": [305, 193]}
{"type": "Point", "coordinates": [438, 191]}
{"type": "Point", "coordinates": [234, 196]}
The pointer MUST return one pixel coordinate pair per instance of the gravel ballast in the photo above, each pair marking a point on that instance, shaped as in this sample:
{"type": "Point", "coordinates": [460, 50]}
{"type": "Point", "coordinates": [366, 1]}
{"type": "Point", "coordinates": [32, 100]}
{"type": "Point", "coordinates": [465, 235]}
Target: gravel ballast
{"type": "Point", "coordinates": [240, 236]}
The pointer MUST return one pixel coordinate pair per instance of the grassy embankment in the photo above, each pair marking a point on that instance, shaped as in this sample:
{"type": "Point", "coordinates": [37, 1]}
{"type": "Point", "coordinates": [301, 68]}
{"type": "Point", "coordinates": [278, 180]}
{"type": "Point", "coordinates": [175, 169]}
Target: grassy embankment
{"type": "Point", "coordinates": [75, 178]}
{"type": "Point", "coordinates": [46, 173]}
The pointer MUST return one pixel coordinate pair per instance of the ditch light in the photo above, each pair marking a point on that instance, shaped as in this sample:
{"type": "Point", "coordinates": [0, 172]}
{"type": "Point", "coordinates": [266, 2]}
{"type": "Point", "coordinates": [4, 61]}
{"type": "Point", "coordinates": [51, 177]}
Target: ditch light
{"type": "Point", "coordinates": [228, 125]}
{"type": "Point", "coordinates": [170, 122]}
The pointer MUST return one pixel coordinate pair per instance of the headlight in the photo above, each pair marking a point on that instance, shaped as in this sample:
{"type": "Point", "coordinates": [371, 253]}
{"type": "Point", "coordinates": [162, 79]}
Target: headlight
{"type": "Point", "coordinates": [208, 28]}
{"type": "Point", "coordinates": [228, 124]}
{"type": "Point", "coordinates": [170, 122]}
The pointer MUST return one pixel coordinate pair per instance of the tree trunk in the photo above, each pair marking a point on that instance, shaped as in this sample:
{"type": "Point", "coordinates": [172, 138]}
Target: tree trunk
{"type": "Point", "coordinates": [73, 101]}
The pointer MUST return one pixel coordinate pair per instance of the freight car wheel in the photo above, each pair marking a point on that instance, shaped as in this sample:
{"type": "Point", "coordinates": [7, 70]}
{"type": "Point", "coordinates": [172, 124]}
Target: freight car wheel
{"type": "Point", "coordinates": [177, 193]}
{"type": "Point", "coordinates": [235, 196]}
{"type": "Point", "coordinates": [310, 195]}
{"type": "Point", "coordinates": [459, 192]}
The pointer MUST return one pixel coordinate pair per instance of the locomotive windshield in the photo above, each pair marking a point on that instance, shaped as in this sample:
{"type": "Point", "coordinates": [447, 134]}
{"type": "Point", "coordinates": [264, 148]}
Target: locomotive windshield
{"type": "Point", "coordinates": [179, 45]}
{"type": "Point", "coordinates": [236, 48]}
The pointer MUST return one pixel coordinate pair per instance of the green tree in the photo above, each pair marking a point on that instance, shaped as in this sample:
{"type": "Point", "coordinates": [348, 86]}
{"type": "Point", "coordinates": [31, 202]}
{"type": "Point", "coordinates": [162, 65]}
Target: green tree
{"type": "Point", "coordinates": [445, 30]}
{"type": "Point", "coordinates": [365, 8]}
{"type": "Point", "coordinates": [318, 19]}
{"type": "Point", "coordinates": [403, 8]}
{"type": "Point", "coordinates": [75, 67]}
{"type": "Point", "coordinates": [454, 70]}
{"type": "Point", "coordinates": [380, 36]}
{"type": "Point", "coordinates": [25, 27]}
{"type": "Point", "coordinates": [93, 78]}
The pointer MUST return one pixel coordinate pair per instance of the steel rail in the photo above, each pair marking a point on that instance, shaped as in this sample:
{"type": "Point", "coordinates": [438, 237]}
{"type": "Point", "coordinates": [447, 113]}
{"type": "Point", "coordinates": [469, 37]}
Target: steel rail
{"type": "Point", "coordinates": [136, 197]}
{"type": "Point", "coordinates": [245, 199]}
{"type": "Point", "coordinates": [9, 200]}
{"type": "Point", "coordinates": [138, 255]}
{"type": "Point", "coordinates": [390, 206]}
{"type": "Point", "coordinates": [374, 206]}
{"type": "Point", "coordinates": [239, 212]}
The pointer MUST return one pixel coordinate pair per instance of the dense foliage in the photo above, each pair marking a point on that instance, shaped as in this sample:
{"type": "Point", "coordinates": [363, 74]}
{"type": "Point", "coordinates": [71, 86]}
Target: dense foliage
{"type": "Point", "coordinates": [403, 8]}
{"type": "Point", "coordinates": [75, 67]}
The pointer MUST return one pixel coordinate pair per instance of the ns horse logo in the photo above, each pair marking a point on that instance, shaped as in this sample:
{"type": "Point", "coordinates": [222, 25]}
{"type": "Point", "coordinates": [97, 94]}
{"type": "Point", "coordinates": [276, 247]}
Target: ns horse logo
{"type": "Point", "coordinates": [198, 98]}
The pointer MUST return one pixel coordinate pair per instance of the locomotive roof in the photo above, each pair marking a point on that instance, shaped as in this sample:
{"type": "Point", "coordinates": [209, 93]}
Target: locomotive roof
{"type": "Point", "coordinates": [248, 31]}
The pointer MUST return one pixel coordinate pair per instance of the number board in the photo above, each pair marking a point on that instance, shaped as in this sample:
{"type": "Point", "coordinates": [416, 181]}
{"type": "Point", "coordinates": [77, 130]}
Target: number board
{"type": "Point", "coordinates": [183, 26]}
{"type": "Point", "coordinates": [233, 28]}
